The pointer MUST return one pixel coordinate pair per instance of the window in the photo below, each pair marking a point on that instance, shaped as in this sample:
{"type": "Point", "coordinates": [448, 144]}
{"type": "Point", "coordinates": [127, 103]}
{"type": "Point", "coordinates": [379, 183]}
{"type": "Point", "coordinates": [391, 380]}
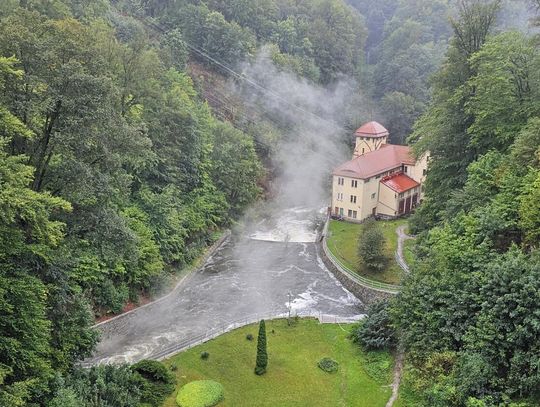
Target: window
{"type": "Point", "coordinates": [363, 150]}
{"type": "Point", "coordinates": [373, 195]}
{"type": "Point", "coordinates": [341, 181]}
{"type": "Point", "coordinates": [349, 214]}
{"type": "Point", "coordinates": [354, 214]}
{"type": "Point", "coordinates": [340, 196]}
{"type": "Point", "coordinates": [405, 169]}
{"type": "Point", "coordinates": [353, 198]}
{"type": "Point", "coordinates": [366, 180]}
{"type": "Point", "coordinates": [336, 210]}
{"type": "Point", "coordinates": [354, 183]}
{"type": "Point", "coordinates": [340, 211]}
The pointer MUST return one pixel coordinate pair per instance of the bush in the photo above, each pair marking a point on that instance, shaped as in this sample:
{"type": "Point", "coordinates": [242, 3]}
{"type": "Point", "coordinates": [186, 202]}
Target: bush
{"type": "Point", "coordinates": [328, 365]}
{"type": "Point", "coordinates": [375, 331]}
{"type": "Point", "coordinates": [249, 337]}
{"type": "Point", "coordinates": [157, 381]}
{"type": "Point", "coordinates": [200, 393]}
{"type": "Point", "coordinates": [205, 355]}
{"type": "Point", "coordinates": [371, 244]}
{"type": "Point", "coordinates": [109, 298]}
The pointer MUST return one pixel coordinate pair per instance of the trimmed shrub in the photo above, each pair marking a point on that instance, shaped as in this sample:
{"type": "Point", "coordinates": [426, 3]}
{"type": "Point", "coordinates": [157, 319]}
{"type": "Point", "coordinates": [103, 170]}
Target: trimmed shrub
{"type": "Point", "coordinates": [328, 365]}
{"type": "Point", "coordinates": [249, 337]}
{"type": "Point", "coordinates": [157, 382]}
{"type": "Point", "coordinates": [262, 355]}
{"type": "Point", "coordinates": [200, 393]}
{"type": "Point", "coordinates": [205, 355]}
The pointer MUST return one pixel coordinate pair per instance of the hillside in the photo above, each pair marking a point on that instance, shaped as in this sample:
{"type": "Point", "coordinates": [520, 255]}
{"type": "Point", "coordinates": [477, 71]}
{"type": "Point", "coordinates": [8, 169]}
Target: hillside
{"type": "Point", "coordinates": [133, 132]}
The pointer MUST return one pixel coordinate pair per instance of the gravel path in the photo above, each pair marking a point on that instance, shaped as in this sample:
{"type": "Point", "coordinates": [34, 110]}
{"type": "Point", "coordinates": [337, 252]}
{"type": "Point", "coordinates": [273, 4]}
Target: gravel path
{"type": "Point", "coordinates": [402, 236]}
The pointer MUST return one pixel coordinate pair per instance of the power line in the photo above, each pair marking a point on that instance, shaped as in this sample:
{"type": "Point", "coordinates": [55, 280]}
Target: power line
{"type": "Point", "coordinates": [242, 77]}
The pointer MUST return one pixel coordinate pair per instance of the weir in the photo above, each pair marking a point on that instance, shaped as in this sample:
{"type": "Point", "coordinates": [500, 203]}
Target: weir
{"type": "Point", "coordinates": [247, 275]}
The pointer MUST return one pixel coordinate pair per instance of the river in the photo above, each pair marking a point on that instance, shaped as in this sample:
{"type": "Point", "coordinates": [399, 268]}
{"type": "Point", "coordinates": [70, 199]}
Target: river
{"type": "Point", "coordinates": [255, 272]}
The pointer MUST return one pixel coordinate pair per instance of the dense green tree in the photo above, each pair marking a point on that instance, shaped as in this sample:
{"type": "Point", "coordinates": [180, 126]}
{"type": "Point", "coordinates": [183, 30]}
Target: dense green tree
{"type": "Point", "coordinates": [443, 129]}
{"type": "Point", "coordinates": [375, 331]}
{"type": "Point", "coordinates": [371, 246]}
{"type": "Point", "coordinates": [235, 169]}
{"type": "Point", "coordinates": [157, 381]}
{"type": "Point", "coordinates": [262, 356]}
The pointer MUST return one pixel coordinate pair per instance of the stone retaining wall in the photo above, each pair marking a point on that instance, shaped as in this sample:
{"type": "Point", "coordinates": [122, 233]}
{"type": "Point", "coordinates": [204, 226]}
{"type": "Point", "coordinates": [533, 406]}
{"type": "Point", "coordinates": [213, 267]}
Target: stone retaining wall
{"type": "Point", "coordinates": [365, 294]}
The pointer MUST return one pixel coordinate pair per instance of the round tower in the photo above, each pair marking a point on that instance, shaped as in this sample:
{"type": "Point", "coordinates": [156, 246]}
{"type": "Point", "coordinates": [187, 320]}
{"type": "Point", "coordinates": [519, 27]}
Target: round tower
{"type": "Point", "coordinates": [370, 137]}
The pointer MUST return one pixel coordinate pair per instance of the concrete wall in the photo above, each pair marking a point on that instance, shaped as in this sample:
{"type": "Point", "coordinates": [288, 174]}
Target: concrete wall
{"type": "Point", "coordinates": [347, 190]}
{"type": "Point", "coordinates": [366, 144]}
{"type": "Point", "coordinates": [388, 202]}
{"type": "Point", "coordinates": [418, 172]}
{"type": "Point", "coordinates": [370, 197]}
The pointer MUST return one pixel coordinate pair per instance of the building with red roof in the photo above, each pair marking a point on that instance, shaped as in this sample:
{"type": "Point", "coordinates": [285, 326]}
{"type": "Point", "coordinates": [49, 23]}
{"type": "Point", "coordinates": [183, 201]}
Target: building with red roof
{"type": "Point", "coordinates": [381, 179]}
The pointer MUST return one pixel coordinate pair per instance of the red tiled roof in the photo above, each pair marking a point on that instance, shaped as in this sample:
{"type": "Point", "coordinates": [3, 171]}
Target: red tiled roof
{"type": "Point", "coordinates": [388, 157]}
{"type": "Point", "coordinates": [371, 129]}
{"type": "Point", "coordinates": [399, 182]}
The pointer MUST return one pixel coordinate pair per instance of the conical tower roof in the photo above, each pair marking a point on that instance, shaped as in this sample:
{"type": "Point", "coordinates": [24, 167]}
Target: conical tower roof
{"type": "Point", "coordinates": [372, 129]}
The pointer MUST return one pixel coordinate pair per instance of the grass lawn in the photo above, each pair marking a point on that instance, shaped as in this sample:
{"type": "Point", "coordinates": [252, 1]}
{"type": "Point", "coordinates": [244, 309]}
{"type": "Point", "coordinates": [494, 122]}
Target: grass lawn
{"type": "Point", "coordinates": [408, 253]}
{"type": "Point", "coordinates": [343, 240]}
{"type": "Point", "coordinates": [293, 377]}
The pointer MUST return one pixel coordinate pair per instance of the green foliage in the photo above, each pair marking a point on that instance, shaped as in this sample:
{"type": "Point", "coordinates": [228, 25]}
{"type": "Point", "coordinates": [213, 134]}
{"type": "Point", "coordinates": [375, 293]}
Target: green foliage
{"type": "Point", "coordinates": [249, 337]}
{"type": "Point", "coordinates": [200, 393]}
{"type": "Point", "coordinates": [371, 246]}
{"type": "Point", "coordinates": [104, 386]}
{"type": "Point", "coordinates": [375, 331]}
{"type": "Point", "coordinates": [467, 314]}
{"type": "Point", "coordinates": [328, 365]}
{"type": "Point", "coordinates": [378, 365]}
{"type": "Point", "coordinates": [158, 382]}
{"type": "Point", "coordinates": [262, 356]}
{"type": "Point", "coordinates": [205, 355]}
{"type": "Point", "coordinates": [112, 175]}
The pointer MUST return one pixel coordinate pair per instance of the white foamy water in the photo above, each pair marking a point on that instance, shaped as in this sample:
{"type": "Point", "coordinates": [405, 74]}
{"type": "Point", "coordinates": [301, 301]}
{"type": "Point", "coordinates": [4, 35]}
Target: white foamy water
{"type": "Point", "coordinates": [291, 225]}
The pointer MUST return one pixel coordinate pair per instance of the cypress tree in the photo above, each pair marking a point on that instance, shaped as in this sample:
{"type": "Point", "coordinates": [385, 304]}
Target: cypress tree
{"type": "Point", "coordinates": [262, 355]}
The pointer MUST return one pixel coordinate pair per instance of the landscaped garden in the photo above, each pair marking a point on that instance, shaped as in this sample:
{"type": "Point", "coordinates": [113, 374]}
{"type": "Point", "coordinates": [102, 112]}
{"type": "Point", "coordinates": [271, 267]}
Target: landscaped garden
{"type": "Point", "coordinates": [342, 241]}
{"type": "Point", "coordinates": [309, 364]}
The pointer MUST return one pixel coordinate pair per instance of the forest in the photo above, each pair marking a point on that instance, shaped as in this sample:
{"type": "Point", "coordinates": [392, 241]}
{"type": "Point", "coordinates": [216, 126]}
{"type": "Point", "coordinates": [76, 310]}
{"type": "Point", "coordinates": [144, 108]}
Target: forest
{"type": "Point", "coordinates": [118, 169]}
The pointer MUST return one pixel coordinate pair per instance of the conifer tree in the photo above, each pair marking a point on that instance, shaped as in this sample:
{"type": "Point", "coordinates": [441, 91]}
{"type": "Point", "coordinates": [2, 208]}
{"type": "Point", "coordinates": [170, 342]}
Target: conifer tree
{"type": "Point", "coordinates": [262, 355]}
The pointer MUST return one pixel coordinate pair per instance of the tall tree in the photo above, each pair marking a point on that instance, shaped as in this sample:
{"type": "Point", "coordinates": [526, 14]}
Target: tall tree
{"type": "Point", "coordinates": [262, 356]}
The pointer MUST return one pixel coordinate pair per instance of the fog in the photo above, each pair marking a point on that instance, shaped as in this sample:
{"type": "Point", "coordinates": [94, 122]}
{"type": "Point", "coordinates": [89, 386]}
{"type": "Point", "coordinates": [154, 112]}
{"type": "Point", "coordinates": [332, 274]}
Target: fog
{"type": "Point", "coordinates": [313, 139]}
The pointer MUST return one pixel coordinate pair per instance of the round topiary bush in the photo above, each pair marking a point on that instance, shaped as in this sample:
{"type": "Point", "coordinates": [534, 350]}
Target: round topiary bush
{"type": "Point", "coordinates": [200, 393]}
{"type": "Point", "coordinates": [328, 365]}
{"type": "Point", "coordinates": [205, 355]}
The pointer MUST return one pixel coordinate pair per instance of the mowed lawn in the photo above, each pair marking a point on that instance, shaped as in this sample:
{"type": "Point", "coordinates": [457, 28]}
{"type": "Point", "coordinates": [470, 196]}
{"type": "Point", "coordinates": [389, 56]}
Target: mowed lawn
{"type": "Point", "coordinates": [293, 377]}
{"type": "Point", "coordinates": [343, 242]}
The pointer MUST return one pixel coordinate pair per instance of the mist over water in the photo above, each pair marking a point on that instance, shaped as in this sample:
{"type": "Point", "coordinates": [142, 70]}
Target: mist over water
{"type": "Point", "coordinates": [273, 259]}
{"type": "Point", "coordinates": [313, 142]}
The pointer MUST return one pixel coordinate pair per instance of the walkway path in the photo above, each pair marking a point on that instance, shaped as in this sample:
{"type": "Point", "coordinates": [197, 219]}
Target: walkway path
{"type": "Point", "coordinates": [402, 236]}
{"type": "Point", "coordinates": [397, 378]}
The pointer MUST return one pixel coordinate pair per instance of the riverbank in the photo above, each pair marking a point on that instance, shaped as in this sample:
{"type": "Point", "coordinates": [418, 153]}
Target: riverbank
{"type": "Point", "coordinates": [178, 279]}
{"type": "Point", "coordinates": [342, 241]}
{"type": "Point", "coordinates": [293, 377]}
